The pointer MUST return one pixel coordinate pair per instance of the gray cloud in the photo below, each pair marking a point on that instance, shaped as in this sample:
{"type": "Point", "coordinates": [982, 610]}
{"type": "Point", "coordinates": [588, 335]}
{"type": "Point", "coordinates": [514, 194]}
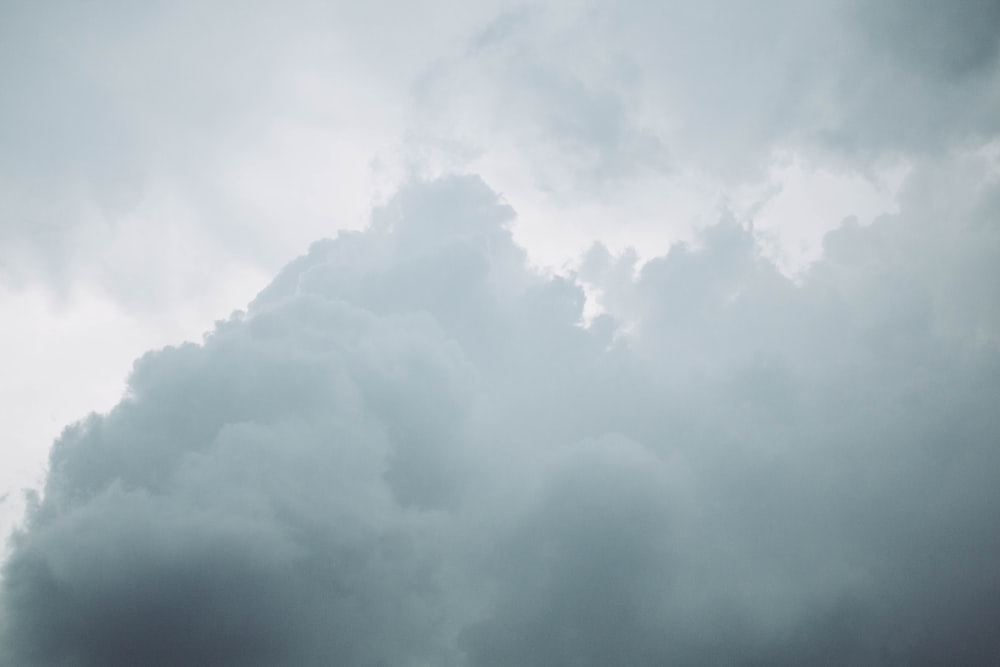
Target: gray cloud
{"type": "Point", "coordinates": [596, 94]}
{"type": "Point", "coordinates": [408, 451]}
{"type": "Point", "coordinates": [106, 105]}
{"type": "Point", "coordinates": [935, 40]}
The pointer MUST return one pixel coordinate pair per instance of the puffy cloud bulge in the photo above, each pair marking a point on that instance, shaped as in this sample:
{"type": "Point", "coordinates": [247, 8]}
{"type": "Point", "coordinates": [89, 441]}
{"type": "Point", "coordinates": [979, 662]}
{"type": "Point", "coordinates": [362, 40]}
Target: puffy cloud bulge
{"type": "Point", "coordinates": [409, 450]}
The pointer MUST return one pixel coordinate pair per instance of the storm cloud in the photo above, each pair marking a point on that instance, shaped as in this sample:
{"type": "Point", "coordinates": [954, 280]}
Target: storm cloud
{"type": "Point", "coordinates": [411, 449]}
{"type": "Point", "coordinates": [427, 442]}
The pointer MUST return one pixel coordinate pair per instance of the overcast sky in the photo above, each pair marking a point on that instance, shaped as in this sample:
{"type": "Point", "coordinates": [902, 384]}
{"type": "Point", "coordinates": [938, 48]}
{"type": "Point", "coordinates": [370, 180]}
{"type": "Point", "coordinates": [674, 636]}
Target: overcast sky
{"type": "Point", "coordinates": [497, 333]}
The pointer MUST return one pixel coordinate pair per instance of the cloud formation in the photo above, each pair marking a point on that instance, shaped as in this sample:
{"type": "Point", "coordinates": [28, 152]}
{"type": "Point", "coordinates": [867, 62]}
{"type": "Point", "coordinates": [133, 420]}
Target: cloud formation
{"type": "Point", "coordinates": [716, 87]}
{"type": "Point", "coordinates": [409, 450]}
{"type": "Point", "coordinates": [125, 129]}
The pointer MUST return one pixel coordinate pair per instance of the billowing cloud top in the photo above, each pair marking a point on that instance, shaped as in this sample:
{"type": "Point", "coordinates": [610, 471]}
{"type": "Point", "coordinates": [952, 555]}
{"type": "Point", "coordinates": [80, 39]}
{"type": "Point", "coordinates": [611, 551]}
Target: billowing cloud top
{"type": "Point", "coordinates": [409, 450]}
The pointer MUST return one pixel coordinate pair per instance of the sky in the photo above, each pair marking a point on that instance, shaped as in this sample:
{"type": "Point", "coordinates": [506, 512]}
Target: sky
{"type": "Point", "coordinates": [559, 333]}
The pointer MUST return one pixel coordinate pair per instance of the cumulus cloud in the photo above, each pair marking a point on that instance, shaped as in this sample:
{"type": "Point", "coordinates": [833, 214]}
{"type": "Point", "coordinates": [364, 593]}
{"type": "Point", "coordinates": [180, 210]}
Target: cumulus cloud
{"type": "Point", "coordinates": [409, 450]}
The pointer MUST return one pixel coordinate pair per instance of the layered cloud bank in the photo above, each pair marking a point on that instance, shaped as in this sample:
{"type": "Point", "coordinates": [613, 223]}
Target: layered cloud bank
{"type": "Point", "coordinates": [410, 450]}
{"type": "Point", "coordinates": [180, 131]}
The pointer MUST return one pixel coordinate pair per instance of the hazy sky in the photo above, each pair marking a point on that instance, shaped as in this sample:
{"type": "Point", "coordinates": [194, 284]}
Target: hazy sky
{"type": "Point", "coordinates": [493, 334]}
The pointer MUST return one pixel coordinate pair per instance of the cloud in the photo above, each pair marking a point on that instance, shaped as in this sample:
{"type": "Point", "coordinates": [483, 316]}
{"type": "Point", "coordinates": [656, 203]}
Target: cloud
{"type": "Point", "coordinates": [598, 96]}
{"type": "Point", "coordinates": [125, 128]}
{"type": "Point", "coordinates": [408, 450]}
{"type": "Point", "coordinates": [935, 41]}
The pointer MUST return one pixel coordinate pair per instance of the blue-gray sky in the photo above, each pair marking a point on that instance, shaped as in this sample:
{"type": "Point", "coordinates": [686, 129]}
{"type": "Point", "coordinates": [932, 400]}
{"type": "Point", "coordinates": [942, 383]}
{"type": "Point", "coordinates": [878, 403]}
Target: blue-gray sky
{"type": "Point", "coordinates": [641, 334]}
